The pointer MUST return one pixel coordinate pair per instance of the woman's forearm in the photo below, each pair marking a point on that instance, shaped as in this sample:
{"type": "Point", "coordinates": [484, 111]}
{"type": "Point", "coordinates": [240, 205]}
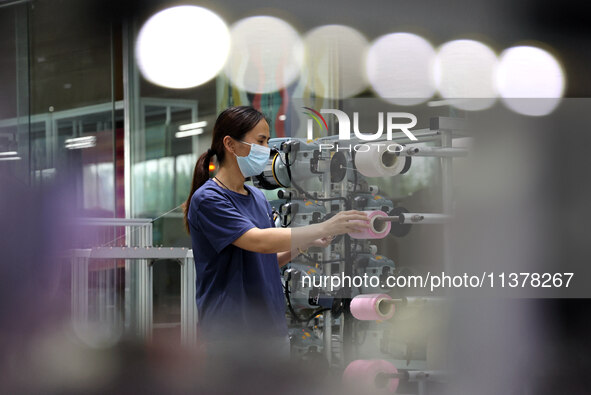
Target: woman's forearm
{"type": "Point", "coordinates": [273, 240]}
{"type": "Point", "coordinates": [303, 236]}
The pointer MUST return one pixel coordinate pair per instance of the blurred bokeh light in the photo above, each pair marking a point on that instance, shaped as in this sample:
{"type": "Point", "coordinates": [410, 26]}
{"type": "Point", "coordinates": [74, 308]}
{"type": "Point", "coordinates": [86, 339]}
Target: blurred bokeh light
{"type": "Point", "coordinates": [182, 47]}
{"type": "Point", "coordinates": [464, 73]}
{"type": "Point", "coordinates": [335, 61]}
{"type": "Point", "coordinates": [400, 68]}
{"type": "Point", "coordinates": [266, 54]}
{"type": "Point", "coordinates": [530, 80]}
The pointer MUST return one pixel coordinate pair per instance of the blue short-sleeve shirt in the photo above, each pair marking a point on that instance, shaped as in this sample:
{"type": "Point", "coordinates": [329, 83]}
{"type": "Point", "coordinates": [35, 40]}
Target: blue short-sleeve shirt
{"type": "Point", "coordinates": [238, 291]}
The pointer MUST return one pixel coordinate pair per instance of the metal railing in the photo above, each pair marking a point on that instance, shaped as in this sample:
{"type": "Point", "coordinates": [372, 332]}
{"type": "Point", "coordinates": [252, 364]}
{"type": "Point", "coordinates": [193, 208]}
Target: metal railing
{"type": "Point", "coordinates": [112, 277]}
{"type": "Point", "coordinates": [139, 295]}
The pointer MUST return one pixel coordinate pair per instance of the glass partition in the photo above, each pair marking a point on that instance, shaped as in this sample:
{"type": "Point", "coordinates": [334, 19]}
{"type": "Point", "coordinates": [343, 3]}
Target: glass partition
{"type": "Point", "coordinates": [14, 85]}
{"type": "Point", "coordinates": [60, 114]}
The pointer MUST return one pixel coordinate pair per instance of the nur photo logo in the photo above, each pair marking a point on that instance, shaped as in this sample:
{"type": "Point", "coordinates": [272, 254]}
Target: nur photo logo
{"type": "Point", "coordinates": [391, 119]}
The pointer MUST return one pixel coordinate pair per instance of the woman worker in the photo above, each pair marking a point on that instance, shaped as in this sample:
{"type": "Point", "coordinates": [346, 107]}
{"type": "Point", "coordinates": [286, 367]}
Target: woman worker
{"type": "Point", "coordinates": [237, 249]}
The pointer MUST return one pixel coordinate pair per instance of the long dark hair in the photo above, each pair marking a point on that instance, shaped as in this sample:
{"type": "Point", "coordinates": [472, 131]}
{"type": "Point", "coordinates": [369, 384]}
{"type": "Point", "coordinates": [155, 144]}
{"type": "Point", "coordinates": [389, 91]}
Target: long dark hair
{"type": "Point", "coordinates": [234, 122]}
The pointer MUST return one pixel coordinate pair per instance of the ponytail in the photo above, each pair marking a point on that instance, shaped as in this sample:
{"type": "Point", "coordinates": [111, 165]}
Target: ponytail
{"type": "Point", "coordinates": [234, 122]}
{"type": "Point", "coordinates": [200, 176]}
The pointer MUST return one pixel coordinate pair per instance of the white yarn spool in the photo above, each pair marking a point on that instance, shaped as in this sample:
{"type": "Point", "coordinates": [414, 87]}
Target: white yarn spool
{"type": "Point", "coordinates": [377, 161]}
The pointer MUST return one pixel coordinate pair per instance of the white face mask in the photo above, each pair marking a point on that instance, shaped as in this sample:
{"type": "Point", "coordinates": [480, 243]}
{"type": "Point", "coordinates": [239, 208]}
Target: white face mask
{"type": "Point", "coordinates": [254, 163]}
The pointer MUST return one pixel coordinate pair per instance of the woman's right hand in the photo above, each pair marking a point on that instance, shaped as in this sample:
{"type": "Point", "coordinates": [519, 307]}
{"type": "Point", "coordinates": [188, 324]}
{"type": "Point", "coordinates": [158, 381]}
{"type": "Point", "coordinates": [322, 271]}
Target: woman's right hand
{"type": "Point", "coordinates": [346, 222]}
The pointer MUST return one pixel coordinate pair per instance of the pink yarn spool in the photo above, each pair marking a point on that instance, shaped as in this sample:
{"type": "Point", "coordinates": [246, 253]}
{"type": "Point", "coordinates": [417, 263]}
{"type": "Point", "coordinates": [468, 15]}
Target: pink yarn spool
{"type": "Point", "coordinates": [376, 230]}
{"type": "Point", "coordinates": [372, 307]}
{"type": "Point", "coordinates": [364, 376]}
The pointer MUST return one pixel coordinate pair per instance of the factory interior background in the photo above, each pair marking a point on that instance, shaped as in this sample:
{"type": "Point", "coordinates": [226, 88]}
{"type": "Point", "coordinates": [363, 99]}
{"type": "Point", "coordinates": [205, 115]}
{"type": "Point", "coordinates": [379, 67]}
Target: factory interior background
{"type": "Point", "coordinates": [102, 121]}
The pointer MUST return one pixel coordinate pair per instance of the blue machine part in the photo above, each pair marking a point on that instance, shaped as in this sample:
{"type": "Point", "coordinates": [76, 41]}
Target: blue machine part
{"type": "Point", "coordinates": [303, 342]}
{"type": "Point", "coordinates": [302, 212]}
{"type": "Point", "coordinates": [367, 201]}
{"type": "Point", "coordinates": [300, 289]}
{"type": "Point", "coordinates": [375, 266]}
